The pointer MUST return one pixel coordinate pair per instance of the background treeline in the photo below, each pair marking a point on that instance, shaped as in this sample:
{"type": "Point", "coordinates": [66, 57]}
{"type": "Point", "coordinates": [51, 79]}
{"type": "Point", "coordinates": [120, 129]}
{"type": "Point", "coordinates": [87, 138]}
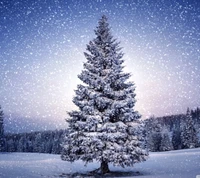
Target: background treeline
{"type": "Point", "coordinates": [40, 142]}
{"type": "Point", "coordinates": [161, 133]}
{"type": "Point", "coordinates": [173, 132]}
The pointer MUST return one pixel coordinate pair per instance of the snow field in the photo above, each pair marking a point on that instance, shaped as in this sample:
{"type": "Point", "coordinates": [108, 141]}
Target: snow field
{"type": "Point", "coordinates": [172, 164]}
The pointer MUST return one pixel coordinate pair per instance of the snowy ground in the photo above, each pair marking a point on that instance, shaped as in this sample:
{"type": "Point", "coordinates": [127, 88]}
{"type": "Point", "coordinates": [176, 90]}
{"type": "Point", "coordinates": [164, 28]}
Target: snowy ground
{"type": "Point", "coordinates": [177, 164]}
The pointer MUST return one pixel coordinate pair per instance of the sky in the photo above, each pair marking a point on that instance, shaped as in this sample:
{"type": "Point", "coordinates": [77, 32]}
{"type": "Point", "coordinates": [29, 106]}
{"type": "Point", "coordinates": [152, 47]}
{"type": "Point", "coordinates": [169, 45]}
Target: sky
{"type": "Point", "coordinates": [41, 53]}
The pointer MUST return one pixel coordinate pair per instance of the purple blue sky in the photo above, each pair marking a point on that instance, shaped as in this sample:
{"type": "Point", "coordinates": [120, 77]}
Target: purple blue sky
{"type": "Point", "coordinates": [41, 53]}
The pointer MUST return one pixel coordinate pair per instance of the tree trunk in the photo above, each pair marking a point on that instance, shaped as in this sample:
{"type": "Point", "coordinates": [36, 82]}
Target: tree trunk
{"type": "Point", "coordinates": [104, 167]}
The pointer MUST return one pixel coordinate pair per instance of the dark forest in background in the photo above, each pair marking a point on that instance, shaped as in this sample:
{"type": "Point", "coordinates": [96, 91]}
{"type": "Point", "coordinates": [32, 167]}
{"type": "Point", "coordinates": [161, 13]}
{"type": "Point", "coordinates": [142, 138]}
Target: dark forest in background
{"type": "Point", "coordinates": [162, 134]}
{"type": "Point", "coordinates": [173, 132]}
{"type": "Point", "coordinates": [38, 142]}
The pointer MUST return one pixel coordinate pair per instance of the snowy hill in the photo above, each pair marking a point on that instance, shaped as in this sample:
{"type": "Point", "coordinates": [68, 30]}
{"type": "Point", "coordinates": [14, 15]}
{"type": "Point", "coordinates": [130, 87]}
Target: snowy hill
{"type": "Point", "coordinates": [172, 164]}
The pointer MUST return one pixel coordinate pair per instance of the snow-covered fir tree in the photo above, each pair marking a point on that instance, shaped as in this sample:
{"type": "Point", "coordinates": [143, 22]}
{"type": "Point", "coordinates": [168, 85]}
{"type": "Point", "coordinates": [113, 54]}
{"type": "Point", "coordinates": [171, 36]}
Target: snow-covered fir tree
{"type": "Point", "coordinates": [188, 132]}
{"type": "Point", "coordinates": [154, 136]}
{"type": "Point", "coordinates": [176, 137]}
{"type": "Point", "coordinates": [38, 143]}
{"type": "Point", "coordinates": [166, 144]}
{"type": "Point", "coordinates": [2, 137]}
{"type": "Point", "coordinates": [106, 127]}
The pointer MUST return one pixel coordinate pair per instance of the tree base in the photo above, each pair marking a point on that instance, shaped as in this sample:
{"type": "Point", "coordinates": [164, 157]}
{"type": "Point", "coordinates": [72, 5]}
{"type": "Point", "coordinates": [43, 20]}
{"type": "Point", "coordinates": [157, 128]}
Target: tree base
{"type": "Point", "coordinates": [104, 167]}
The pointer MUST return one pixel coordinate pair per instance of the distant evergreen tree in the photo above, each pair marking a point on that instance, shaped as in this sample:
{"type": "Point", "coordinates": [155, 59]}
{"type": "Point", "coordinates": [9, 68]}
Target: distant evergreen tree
{"type": "Point", "coordinates": [176, 137]}
{"type": "Point", "coordinates": [154, 136]}
{"type": "Point", "coordinates": [38, 143]}
{"type": "Point", "coordinates": [11, 145]}
{"type": "Point", "coordinates": [2, 137]}
{"type": "Point", "coordinates": [166, 144]}
{"type": "Point", "coordinates": [188, 133]}
{"type": "Point", "coordinates": [21, 145]}
{"type": "Point", "coordinates": [196, 119]}
{"type": "Point", "coordinates": [105, 128]}
{"type": "Point", "coordinates": [56, 148]}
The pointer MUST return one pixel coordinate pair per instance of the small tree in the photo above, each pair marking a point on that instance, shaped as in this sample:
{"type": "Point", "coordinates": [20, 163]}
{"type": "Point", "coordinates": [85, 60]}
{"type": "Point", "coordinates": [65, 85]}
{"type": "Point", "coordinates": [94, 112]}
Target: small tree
{"type": "Point", "coordinates": [21, 146]}
{"type": "Point", "coordinates": [38, 144]}
{"type": "Point", "coordinates": [2, 137]}
{"type": "Point", "coordinates": [188, 132]}
{"type": "Point", "coordinates": [166, 144]}
{"type": "Point", "coordinates": [106, 127]}
{"type": "Point", "coordinates": [176, 137]}
{"type": "Point", "coordinates": [154, 137]}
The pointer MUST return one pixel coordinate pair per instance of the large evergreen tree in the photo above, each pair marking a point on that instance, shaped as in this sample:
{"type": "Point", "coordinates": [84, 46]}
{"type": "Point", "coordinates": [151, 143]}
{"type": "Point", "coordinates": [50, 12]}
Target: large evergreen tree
{"type": "Point", "coordinates": [106, 127]}
{"type": "Point", "coordinates": [2, 139]}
